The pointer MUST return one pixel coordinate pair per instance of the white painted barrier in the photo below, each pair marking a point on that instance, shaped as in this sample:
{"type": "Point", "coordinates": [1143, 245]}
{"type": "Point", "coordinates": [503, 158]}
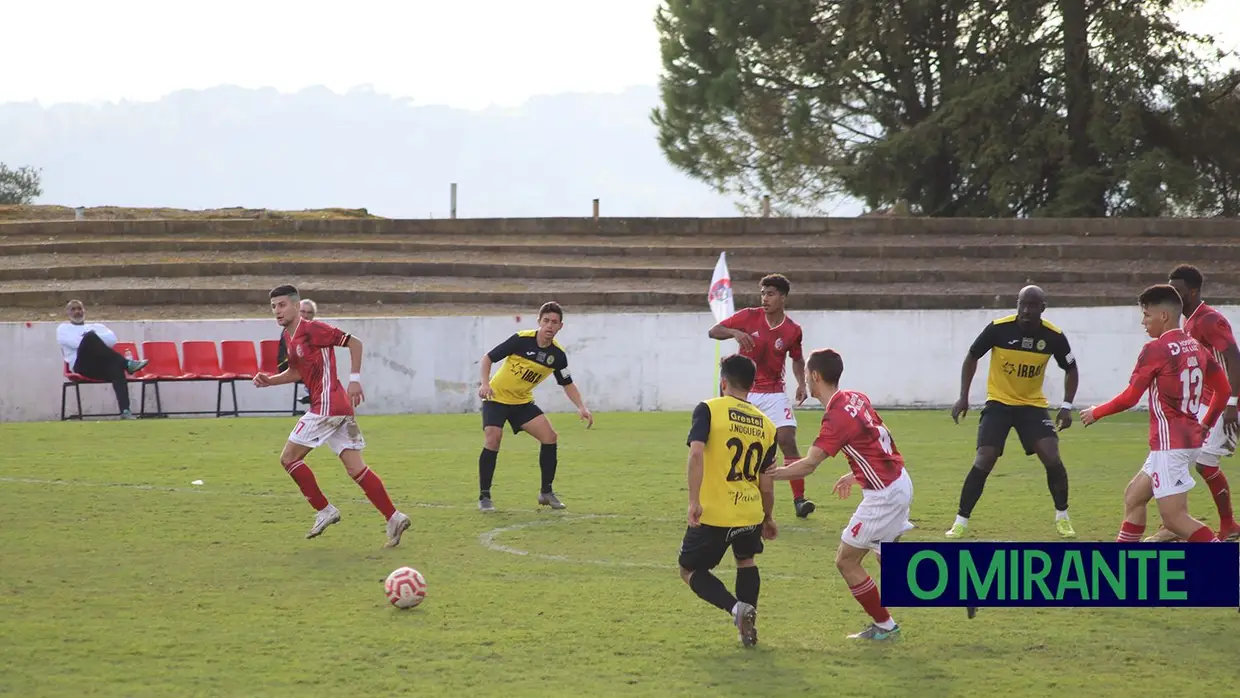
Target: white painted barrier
{"type": "Point", "coordinates": [632, 362]}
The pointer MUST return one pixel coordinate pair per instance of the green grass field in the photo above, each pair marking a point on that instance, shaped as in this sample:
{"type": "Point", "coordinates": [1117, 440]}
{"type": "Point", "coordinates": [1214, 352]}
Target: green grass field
{"type": "Point", "coordinates": [118, 577]}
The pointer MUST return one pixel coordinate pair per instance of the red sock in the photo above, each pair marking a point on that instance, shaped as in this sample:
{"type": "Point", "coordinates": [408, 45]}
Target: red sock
{"type": "Point", "coordinates": [1130, 532]}
{"type": "Point", "coordinates": [304, 477]}
{"type": "Point", "coordinates": [798, 486]}
{"type": "Point", "coordinates": [866, 594]}
{"type": "Point", "coordinates": [1202, 535]}
{"type": "Point", "coordinates": [376, 493]}
{"type": "Point", "coordinates": [1217, 482]}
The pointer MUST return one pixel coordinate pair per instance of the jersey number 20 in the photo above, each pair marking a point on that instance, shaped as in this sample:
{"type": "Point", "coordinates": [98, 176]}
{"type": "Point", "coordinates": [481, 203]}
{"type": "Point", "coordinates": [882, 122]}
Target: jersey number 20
{"type": "Point", "coordinates": [1192, 380]}
{"type": "Point", "coordinates": [752, 457]}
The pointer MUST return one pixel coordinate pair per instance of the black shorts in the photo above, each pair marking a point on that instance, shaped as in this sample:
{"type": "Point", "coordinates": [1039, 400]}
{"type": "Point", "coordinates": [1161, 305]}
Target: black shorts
{"type": "Point", "coordinates": [704, 546]}
{"type": "Point", "coordinates": [495, 414]}
{"type": "Point", "coordinates": [1032, 424]}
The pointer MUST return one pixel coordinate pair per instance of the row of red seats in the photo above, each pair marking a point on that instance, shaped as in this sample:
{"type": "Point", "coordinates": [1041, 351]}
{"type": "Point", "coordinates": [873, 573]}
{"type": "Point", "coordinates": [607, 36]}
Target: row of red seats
{"type": "Point", "coordinates": [198, 361]}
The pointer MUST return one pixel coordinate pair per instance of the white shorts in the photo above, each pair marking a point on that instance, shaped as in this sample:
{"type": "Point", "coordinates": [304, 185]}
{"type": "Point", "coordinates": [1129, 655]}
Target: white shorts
{"type": "Point", "coordinates": [341, 433]}
{"type": "Point", "coordinates": [1218, 445]}
{"type": "Point", "coordinates": [776, 406]}
{"type": "Point", "coordinates": [1171, 471]}
{"type": "Point", "coordinates": [882, 516]}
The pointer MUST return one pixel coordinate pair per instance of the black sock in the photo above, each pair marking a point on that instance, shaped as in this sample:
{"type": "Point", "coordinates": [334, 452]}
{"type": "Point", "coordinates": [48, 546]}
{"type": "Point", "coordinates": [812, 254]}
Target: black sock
{"type": "Point", "coordinates": [547, 463]}
{"type": "Point", "coordinates": [974, 483]}
{"type": "Point", "coordinates": [708, 586]}
{"type": "Point", "coordinates": [1057, 482]}
{"type": "Point", "coordinates": [747, 583]}
{"type": "Point", "coordinates": [486, 472]}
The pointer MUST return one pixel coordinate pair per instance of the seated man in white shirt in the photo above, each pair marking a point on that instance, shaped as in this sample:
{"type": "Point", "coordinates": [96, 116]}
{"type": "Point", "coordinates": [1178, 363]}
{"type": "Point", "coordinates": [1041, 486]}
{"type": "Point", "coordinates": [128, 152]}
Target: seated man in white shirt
{"type": "Point", "coordinates": [88, 351]}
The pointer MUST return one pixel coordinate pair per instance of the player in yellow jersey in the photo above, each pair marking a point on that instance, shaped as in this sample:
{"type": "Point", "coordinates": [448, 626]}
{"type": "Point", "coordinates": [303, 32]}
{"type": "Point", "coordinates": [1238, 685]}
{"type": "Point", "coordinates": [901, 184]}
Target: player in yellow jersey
{"type": "Point", "coordinates": [508, 398]}
{"type": "Point", "coordinates": [731, 446]}
{"type": "Point", "coordinates": [1020, 347]}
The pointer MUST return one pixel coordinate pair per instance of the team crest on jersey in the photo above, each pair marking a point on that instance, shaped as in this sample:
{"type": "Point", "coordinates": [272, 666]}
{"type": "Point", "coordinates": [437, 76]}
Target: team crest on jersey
{"type": "Point", "coordinates": [1041, 344]}
{"type": "Point", "coordinates": [779, 343]}
{"type": "Point", "coordinates": [299, 353]}
{"type": "Point", "coordinates": [551, 359]}
{"type": "Point", "coordinates": [720, 291]}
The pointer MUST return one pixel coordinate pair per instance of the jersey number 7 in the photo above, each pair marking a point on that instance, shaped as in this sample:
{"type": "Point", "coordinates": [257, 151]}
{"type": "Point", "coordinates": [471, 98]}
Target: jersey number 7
{"type": "Point", "coordinates": [753, 459]}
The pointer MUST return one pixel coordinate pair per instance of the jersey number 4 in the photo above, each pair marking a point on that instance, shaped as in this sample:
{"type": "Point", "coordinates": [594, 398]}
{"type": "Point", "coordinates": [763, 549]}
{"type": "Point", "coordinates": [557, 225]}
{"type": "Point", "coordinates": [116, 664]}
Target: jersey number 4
{"type": "Point", "coordinates": [1192, 380]}
{"type": "Point", "coordinates": [884, 436]}
{"type": "Point", "coordinates": [752, 457]}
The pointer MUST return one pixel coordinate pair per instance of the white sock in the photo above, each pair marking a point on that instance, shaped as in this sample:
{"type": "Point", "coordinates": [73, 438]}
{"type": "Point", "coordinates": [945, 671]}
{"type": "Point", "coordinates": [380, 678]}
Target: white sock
{"type": "Point", "coordinates": [889, 624]}
{"type": "Point", "coordinates": [1061, 515]}
{"type": "Point", "coordinates": [960, 521]}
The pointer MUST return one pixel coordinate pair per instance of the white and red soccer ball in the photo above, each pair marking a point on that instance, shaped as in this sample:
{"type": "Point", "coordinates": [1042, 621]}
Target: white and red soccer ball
{"type": "Point", "coordinates": [405, 587]}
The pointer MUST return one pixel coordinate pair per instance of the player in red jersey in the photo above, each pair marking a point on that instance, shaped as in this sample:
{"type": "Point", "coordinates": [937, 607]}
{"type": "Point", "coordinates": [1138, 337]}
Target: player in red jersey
{"type": "Point", "coordinates": [1174, 369]}
{"type": "Point", "coordinates": [330, 419]}
{"type": "Point", "coordinates": [850, 425]}
{"type": "Point", "coordinates": [1211, 329]}
{"type": "Point", "coordinates": [768, 336]}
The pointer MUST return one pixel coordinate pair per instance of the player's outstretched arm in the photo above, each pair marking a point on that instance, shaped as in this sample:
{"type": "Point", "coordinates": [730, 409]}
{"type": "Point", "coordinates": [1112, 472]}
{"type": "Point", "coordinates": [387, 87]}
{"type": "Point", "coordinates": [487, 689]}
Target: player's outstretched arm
{"type": "Point", "coordinates": [579, 402]}
{"type": "Point", "coordinates": [1124, 401]}
{"type": "Point", "coordinates": [800, 469]}
{"type": "Point", "coordinates": [722, 332]}
{"type": "Point", "coordinates": [289, 375]}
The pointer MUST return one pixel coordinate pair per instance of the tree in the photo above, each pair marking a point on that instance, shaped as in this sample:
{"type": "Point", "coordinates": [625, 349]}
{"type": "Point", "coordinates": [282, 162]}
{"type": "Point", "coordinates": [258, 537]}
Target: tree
{"type": "Point", "coordinates": [20, 186]}
{"type": "Point", "coordinates": [959, 107]}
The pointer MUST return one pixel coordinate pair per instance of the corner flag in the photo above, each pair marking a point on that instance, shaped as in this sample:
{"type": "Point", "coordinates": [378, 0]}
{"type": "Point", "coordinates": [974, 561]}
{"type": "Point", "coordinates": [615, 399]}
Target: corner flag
{"type": "Point", "coordinates": [720, 299]}
{"type": "Point", "coordinates": [720, 294]}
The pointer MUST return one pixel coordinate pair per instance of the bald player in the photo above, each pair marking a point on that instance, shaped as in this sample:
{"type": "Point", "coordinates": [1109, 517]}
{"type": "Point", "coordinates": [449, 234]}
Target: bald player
{"type": "Point", "coordinates": [1020, 347]}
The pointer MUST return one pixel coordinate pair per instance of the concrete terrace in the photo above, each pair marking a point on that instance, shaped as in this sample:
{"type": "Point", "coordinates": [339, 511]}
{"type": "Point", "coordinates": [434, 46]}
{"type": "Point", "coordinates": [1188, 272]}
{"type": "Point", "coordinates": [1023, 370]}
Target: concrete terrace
{"type": "Point", "coordinates": [128, 269]}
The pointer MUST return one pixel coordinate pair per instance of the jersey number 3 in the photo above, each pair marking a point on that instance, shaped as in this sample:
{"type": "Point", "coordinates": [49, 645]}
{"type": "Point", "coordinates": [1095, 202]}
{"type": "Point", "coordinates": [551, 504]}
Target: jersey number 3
{"type": "Point", "coordinates": [752, 457]}
{"type": "Point", "coordinates": [1192, 380]}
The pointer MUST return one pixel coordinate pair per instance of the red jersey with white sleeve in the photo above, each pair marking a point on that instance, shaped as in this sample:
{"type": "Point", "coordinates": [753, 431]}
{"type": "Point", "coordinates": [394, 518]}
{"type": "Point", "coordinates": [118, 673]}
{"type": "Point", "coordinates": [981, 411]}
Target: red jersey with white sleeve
{"type": "Point", "coordinates": [851, 425]}
{"type": "Point", "coordinates": [771, 346]}
{"type": "Point", "coordinates": [1173, 370]}
{"type": "Point", "coordinates": [1211, 329]}
{"type": "Point", "coordinates": [312, 353]}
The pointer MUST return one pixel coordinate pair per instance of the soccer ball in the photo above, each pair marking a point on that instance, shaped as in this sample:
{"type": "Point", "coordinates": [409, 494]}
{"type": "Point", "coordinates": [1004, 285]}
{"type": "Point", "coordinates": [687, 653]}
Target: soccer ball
{"type": "Point", "coordinates": [405, 587]}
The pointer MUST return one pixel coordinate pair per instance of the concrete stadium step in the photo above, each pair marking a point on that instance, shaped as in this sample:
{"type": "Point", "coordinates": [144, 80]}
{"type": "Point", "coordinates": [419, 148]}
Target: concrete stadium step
{"type": "Point", "coordinates": [75, 267]}
{"type": "Point", "coordinates": [1154, 250]}
{"type": "Point", "coordinates": [526, 293]}
{"type": "Point", "coordinates": [724, 227]}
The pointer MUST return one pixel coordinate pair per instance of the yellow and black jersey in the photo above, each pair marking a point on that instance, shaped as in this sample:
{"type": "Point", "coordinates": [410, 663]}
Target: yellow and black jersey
{"type": "Point", "coordinates": [1018, 360]}
{"type": "Point", "coordinates": [525, 366]}
{"type": "Point", "coordinates": [740, 444]}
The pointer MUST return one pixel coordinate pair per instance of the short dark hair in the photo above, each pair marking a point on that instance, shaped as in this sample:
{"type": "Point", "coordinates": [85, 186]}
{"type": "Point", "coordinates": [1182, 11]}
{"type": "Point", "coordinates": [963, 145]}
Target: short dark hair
{"type": "Point", "coordinates": [1190, 275]}
{"type": "Point", "coordinates": [827, 363]}
{"type": "Point", "coordinates": [779, 282]}
{"type": "Point", "coordinates": [739, 371]}
{"type": "Point", "coordinates": [1161, 294]}
{"type": "Point", "coordinates": [285, 290]}
{"type": "Point", "coordinates": [551, 307]}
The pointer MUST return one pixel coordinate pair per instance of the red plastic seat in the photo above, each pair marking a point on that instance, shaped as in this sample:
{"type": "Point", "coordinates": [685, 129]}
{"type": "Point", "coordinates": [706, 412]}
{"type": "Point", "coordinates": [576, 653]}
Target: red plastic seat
{"type": "Point", "coordinates": [202, 361]}
{"type": "Point", "coordinates": [270, 349]}
{"type": "Point", "coordinates": [165, 364]}
{"type": "Point", "coordinates": [77, 377]}
{"type": "Point", "coordinates": [238, 358]}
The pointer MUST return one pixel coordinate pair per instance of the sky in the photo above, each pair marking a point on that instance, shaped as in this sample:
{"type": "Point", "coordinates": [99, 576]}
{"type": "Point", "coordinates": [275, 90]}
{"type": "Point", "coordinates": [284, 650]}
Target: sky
{"type": "Point", "coordinates": [468, 54]}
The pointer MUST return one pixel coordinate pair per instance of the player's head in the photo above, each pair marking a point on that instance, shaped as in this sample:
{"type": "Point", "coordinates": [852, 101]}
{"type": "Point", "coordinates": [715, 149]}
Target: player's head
{"type": "Point", "coordinates": [1030, 303]}
{"type": "Point", "coordinates": [736, 375]}
{"type": "Point", "coordinates": [550, 320]}
{"type": "Point", "coordinates": [774, 289]}
{"type": "Point", "coordinates": [308, 309]}
{"type": "Point", "coordinates": [824, 369]}
{"type": "Point", "coordinates": [285, 304]}
{"type": "Point", "coordinates": [1160, 309]}
{"type": "Point", "coordinates": [76, 311]}
{"type": "Point", "coordinates": [1186, 279]}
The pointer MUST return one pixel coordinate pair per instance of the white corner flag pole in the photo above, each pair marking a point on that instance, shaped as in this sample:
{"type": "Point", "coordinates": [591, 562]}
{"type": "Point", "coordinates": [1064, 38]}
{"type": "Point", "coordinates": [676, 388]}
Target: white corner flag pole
{"type": "Point", "coordinates": [720, 299]}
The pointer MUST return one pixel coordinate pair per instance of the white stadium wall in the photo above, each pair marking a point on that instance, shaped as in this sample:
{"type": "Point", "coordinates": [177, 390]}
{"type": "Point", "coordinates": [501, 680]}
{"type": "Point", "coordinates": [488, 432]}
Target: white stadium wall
{"type": "Point", "coordinates": [631, 362]}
